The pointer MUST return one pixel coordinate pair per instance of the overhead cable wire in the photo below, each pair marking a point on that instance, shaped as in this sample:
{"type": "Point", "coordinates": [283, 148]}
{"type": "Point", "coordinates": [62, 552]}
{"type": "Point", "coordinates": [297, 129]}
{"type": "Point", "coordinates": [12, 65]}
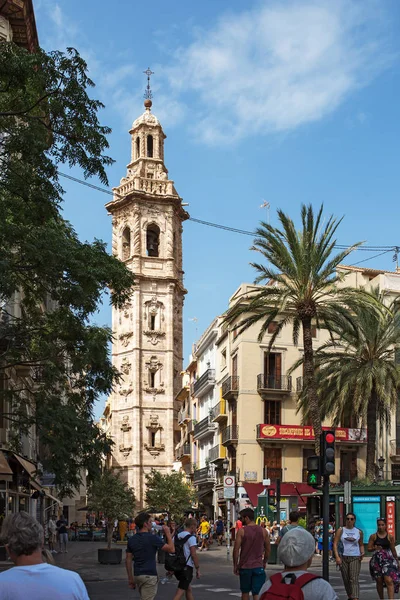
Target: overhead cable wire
{"type": "Point", "coordinates": [385, 249]}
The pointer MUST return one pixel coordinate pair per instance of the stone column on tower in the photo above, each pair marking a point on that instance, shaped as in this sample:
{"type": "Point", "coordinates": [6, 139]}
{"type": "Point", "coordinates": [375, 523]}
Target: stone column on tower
{"type": "Point", "coordinates": [147, 217]}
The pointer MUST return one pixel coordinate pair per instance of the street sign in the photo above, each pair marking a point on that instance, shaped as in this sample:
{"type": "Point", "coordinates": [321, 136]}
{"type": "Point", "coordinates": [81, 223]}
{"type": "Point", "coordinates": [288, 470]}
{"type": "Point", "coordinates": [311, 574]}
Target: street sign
{"type": "Point", "coordinates": [229, 493]}
{"type": "Point", "coordinates": [229, 481]}
{"type": "Point", "coordinates": [347, 492]}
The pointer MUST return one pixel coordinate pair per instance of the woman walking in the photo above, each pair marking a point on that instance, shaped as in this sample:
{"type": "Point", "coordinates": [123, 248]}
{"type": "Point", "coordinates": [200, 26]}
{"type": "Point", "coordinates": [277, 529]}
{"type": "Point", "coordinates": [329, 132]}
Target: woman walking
{"type": "Point", "coordinates": [383, 565]}
{"type": "Point", "coordinates": [353, 552]}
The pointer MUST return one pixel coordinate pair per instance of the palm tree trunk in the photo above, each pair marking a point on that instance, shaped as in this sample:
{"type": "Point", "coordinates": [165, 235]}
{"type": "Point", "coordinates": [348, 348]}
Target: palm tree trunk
{"type": "Point", "coordinates": [309, 380]}
{"type": "Point", "coordinates": [371, 432]}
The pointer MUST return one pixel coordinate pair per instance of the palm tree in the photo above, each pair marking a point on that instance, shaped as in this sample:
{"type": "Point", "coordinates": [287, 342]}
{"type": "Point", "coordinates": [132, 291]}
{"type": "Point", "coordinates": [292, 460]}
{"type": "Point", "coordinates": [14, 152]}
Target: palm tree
{"type": "Point", "coordinates": [301, 288]}
{"type": "Point", "coordinates": [358, 374]}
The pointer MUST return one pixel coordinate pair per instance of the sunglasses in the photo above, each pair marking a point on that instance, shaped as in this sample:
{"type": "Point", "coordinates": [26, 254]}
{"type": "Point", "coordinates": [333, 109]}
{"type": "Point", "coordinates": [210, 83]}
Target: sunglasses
{"type": "Point", "coordinates": [350, 518]}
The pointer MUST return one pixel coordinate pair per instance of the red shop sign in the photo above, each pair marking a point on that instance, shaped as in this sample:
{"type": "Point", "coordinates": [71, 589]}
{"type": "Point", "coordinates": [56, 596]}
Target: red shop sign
{"type": "Point", "coordinates": [390, 518]}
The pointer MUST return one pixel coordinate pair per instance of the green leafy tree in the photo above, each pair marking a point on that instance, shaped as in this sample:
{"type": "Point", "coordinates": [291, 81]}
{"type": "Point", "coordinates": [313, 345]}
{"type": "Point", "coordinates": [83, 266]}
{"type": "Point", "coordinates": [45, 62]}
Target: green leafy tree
{"type": "Point", "coordinates": [358, 375]}
{"type": "Point", "coordinates": [57, 282]}
{"type": "Point", "coordinates": [302, 287]}
{"type": "Point", "coordinates": [113, 497]}
{"type": "Point", "coordinates": [168, 493]}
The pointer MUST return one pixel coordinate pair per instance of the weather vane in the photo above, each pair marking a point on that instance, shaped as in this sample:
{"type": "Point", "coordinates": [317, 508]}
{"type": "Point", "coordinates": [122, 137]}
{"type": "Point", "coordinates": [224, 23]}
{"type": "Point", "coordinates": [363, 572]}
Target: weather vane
{"type": "Point", "coordinates": [148, 95]}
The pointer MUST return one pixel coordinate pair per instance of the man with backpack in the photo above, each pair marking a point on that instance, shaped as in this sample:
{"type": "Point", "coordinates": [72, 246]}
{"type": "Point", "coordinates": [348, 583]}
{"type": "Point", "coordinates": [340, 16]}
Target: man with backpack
{"type": "Point", "coordinates": [296, 551]}
{"type": "Point", "coordinates": [184, 560]}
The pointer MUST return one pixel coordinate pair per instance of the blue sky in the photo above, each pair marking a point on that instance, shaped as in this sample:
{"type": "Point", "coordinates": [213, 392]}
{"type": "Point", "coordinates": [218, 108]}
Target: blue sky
{"type": "Point", "coordinates": [288, 102]}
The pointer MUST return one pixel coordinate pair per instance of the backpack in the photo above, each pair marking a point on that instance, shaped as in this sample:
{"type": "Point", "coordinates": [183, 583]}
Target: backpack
{"type": "Point", "coordinates": [280, 590]}
{"type": "Point", "coordinates": [177, 561]}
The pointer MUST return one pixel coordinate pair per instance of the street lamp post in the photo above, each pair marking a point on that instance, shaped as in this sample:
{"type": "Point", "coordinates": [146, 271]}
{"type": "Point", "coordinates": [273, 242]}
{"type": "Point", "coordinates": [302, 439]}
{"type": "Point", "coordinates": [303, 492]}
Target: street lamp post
{"type": "Point", "coordinates": [225, 466]}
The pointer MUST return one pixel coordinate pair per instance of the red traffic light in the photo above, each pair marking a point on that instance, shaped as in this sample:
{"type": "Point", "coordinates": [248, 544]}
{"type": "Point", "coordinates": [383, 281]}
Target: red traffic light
{"type": "Point", "coordinates": [271, 492]}
{"type": "Point", "coordinates": [330, 438]}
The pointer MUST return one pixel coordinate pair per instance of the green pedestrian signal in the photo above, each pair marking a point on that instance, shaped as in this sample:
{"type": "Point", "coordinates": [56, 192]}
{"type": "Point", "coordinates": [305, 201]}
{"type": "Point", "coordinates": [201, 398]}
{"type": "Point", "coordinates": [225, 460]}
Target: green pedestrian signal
{"type": "Point", "coordinates": [313, 471]}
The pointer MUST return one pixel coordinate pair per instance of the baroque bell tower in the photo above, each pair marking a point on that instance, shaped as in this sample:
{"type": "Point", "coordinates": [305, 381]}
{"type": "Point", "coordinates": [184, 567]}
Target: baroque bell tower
{"type": "Point", "coordinates": [147, 218]}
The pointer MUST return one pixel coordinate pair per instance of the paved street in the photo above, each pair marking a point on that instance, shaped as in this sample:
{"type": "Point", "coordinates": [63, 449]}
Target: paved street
{"type": "Point", "coordinates": [105, 582]}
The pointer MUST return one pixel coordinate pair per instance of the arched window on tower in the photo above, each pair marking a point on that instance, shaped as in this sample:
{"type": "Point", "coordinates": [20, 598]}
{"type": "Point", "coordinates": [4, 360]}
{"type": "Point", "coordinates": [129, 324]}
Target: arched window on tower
{"type": "Point", "coordinates": [126, 243]}
{"type": "Point", "coordinates": [150, 146]}
{"type": "Point", "coordinates": [138, 147]}
{"type": "Point", "coordinates": [153, 240]}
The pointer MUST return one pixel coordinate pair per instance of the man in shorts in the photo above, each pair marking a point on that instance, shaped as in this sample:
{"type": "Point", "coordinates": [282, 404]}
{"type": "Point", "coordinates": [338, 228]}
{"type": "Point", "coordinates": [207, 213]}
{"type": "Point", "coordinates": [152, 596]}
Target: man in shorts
{"type": "Point", "coordinates": [185, 576]}
{"type": "Point", "coordinates": [204, 533]}
{"type": "Point", "coordinates": [142, 549]}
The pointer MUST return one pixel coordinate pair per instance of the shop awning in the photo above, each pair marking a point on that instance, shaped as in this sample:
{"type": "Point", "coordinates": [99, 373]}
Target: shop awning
{"type": "Point", "coordinates": [35, 485]}
{"type": "Point", "coordinates": [52, 498]}
{"type": "Point", "coordinates": [29, 467]}
{"type": "Point", "coordinates": [5, 469]}
{"type": "Point", "coordinates": [299, 490]}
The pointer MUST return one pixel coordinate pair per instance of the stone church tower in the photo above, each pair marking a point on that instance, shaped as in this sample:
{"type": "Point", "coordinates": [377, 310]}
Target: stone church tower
{"type": "Point", "coordinates": [147, 218]}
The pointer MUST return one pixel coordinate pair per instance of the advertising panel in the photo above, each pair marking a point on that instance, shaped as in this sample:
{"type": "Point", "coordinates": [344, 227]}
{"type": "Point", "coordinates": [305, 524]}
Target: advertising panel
{"type": "Point", "coordinates": [305, 432]}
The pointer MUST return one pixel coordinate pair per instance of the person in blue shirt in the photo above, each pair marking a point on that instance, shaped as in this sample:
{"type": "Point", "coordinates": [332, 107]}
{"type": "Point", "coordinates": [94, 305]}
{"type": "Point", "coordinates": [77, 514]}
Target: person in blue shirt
{"type": "Point", "coordinates": [31, 577]}
{"type": "Point", "coordinates": [142, 550]}
{"type": "Point", "coordinates": [219, 530]}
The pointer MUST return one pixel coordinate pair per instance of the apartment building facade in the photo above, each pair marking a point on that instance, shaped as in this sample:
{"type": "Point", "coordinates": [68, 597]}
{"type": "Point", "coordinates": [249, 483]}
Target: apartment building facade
{"type": "Point", "coordinates": [257, 425]}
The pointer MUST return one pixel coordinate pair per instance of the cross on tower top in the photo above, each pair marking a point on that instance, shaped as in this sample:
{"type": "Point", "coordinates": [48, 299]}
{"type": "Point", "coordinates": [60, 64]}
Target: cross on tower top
{"type": "Point", "coordinates": [148, 95]}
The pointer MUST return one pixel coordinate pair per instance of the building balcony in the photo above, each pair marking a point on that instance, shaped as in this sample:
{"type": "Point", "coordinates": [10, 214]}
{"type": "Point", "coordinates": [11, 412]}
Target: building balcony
{"type": "Point", "coordinates": [267, 384]}
{"type": "Point", "coordinates": [218, 412]}
{"type": "Point", "coordinates": [394, 451]}
{"type": "Point", "coordinates": [230, 388]}
{"type": "Point", "coordinates": [203, 428]}
{"type": "Point", "coordinates": [190, 426]}
{"type": "Point", "coordinates": [183, 416]}
{"type": "Point", "coordinates": [272, 473]}
{"type": "Point", "coordinates": [230, 435]}
{"type": "Point", "coordinates": [205, 475]}
{"type": "Point", "coordinates": [205, 383]}
{"type": "Point", "coordinates": [217, 453]}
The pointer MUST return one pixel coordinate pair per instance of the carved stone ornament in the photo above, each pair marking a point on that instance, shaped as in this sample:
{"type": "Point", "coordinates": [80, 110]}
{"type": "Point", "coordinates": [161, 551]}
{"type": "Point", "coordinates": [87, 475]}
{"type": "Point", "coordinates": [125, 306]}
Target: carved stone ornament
{"type": "Point", "coordinates": [153, 423]}
{"type": "Point", "coordinates": [125, 426]}
{"type": "Point", "coordinates": [126, 309]}
{"type": "Point", "coordinates": [154, 336]}
{"type": "Point", "coordinates": [155, 450]}
{"type": "Point", "coordinates": [126, 367]}
{"type": "Point", "coordinates": [154, 391]}
{"type": "Point", "coordinates": [125, 337]}
{"type": "Point", "coordinates": [125, 450]}
{"type": "Point", "coordinates": [125, 391]}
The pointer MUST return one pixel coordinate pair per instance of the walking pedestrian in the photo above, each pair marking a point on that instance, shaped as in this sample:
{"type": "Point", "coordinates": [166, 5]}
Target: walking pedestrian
{"type": "Point", "coordinates": [250, 555]}
{"type": "Point", "coordinates": [142, 549]}
{"type": "Point", "coordinates": [353, 552]}
{"type": "Point", "coordinates": [62, 530]}
{"type": "Point", "coordinates": [185, 575]}
{"type": "Point", "coordinates": [204, 530]}
{"type": "Point", "coordinates": [52, 528]}
{"type": "Point", "coordinates": [383, 566]}
{"type": "Point", "coordinates": [32, 577]}
{"type": "Point", "coordinates": [296, 551]}
{"type": "Point", "coordinates": [219, 530]}
{"type": "Point", "coordinates": [294, 517]}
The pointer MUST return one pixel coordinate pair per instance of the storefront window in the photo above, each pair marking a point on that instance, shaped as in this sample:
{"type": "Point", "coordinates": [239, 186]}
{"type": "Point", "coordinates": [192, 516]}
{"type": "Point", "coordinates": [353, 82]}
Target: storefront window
{"type": "Point", "coordinates": [23, 503]}
{"type": "Point", "coordinates": [12, 504]}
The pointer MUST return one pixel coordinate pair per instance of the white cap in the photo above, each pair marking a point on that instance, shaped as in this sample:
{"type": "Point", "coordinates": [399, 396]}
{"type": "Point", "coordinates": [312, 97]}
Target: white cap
{"type": "Point", "coordinates": [296, 548]}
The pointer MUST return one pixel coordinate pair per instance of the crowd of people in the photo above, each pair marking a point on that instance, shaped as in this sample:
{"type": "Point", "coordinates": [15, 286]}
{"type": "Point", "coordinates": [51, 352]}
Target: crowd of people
{"type": "Point", "coordinates": [179, 544]}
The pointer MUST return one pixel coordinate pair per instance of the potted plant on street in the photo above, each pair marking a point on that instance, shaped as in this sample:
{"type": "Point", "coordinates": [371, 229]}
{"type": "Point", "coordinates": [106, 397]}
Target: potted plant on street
{"type": "Point", "coordinates": [114, 498]}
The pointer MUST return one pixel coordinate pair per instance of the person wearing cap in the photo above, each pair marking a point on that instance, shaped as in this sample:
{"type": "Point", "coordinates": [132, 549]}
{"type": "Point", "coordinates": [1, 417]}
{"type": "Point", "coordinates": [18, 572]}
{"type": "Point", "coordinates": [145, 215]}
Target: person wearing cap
{"type": "Point", "coordinates": [296, 551]}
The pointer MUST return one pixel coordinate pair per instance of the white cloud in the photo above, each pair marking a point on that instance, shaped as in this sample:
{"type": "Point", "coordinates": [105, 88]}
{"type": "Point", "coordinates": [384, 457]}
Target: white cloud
{"type": "Point", "coordinates": [278, 66]}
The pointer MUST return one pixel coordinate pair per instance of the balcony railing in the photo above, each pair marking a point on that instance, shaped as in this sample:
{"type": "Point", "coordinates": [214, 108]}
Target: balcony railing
{"type": "Point", "coordinates": [230, 387]}
{"type": "Point", "coordinates": [204, 382]}
{"type": "Point", "coordinates": [272, 473]}
{"type": "Point", "coordinates": [186, 450]}
{"type": "Point", "coordinates": [230, 434]}
{"type": "Point", "coordinates": [395, 448]}
{"type": "Point", "coordinates": [299, 384]}
{"type": "Point", "coordinates": [217, 453]}
{"type": "Point", "coordinates": [190, 426]}
{"type": "Point", "coordinates": [218, 412]}
{"type": "Point", "coordinates": [203, 475]}
{"type": "Point", "coordinates": [267, 382]}
{"type": "Point", "coordinates": [203, 427]}
{"type": "Point", "coordinates": [183, 415]}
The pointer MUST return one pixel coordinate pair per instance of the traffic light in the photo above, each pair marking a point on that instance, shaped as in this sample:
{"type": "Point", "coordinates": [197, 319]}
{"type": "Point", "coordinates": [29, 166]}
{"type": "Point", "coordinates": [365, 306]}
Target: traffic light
{"type": "Point", "coordinates": [328, 453]}
{"type": "Point", "coordinates": [313, 471]}
{"type": "Point", "coordinates": [271, 497]}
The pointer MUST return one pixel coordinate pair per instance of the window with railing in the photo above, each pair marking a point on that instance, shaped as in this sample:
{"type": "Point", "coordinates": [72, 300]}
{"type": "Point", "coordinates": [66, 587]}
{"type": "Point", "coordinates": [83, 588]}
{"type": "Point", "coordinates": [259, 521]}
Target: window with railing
{"type": "Point", "coordinates": [272, 412]}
